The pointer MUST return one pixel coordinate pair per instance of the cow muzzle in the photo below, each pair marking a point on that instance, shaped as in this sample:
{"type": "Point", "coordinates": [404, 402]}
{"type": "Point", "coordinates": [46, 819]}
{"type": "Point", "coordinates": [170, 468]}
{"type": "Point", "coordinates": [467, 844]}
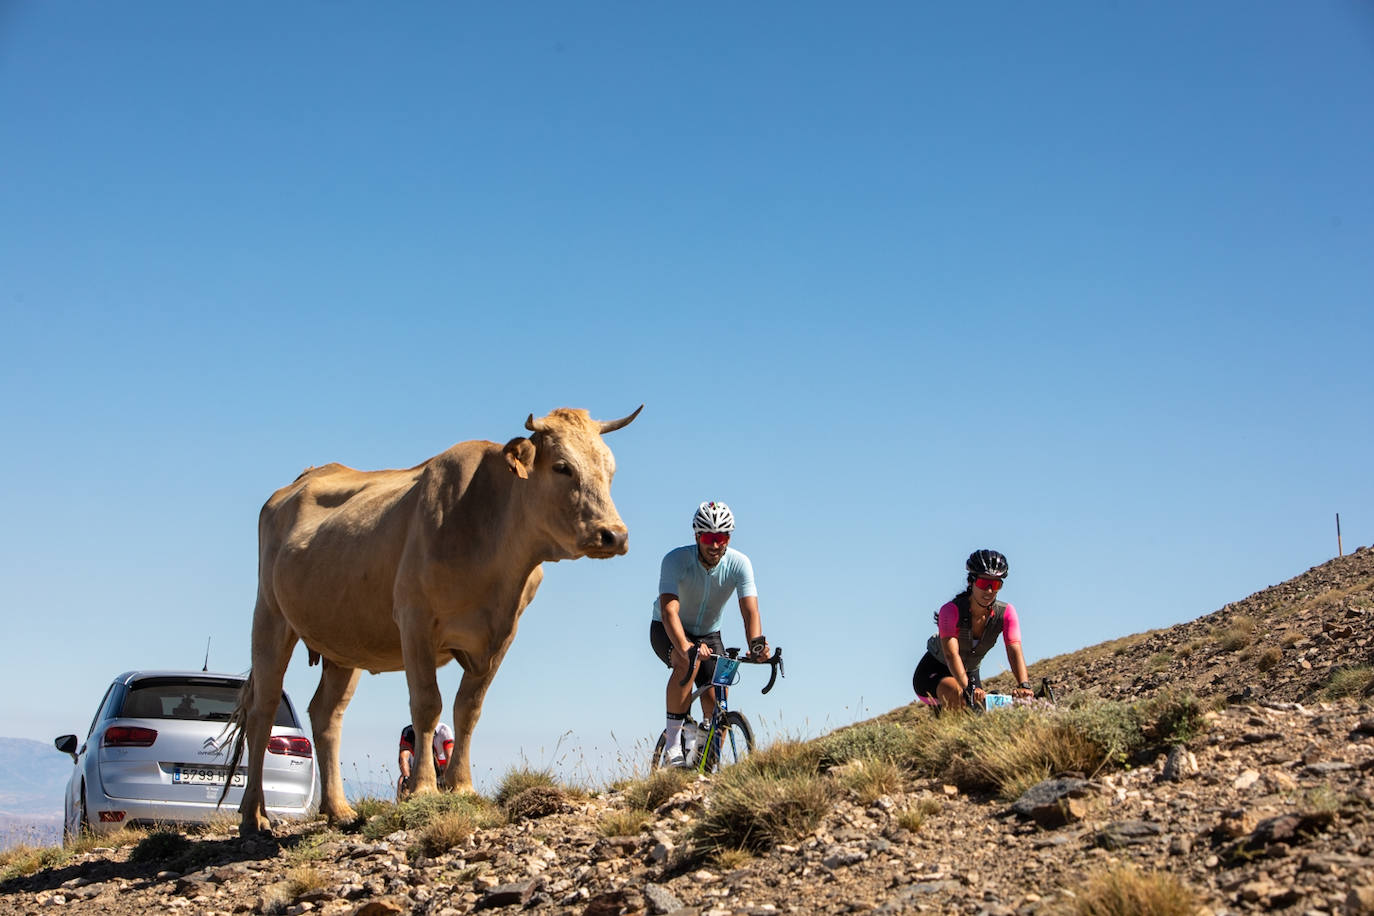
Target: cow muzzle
{"type": "Point", "coordinates": [608, 542]}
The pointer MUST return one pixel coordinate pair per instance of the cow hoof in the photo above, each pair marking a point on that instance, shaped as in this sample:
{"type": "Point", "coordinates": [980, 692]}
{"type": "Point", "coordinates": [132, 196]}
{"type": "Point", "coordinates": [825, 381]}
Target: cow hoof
{"type": "Point", "coordinates": [343, 815]}
{"type": "Point", "coordinates": [254, 827]}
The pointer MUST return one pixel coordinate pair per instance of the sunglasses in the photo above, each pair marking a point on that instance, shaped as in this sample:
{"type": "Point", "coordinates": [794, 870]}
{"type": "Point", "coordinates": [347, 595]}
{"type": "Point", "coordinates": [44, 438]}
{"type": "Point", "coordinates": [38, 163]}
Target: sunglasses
{"type": "Point", "coordinates": [712, 538]}
{"type": "Point", "coordinates": [988, 585]}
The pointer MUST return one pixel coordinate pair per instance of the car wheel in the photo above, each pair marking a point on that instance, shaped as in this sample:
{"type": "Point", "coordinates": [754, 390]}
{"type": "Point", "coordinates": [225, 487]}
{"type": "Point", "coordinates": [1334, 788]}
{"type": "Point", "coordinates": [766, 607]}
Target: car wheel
{"type": "Point", "coordinates": [83, 824]}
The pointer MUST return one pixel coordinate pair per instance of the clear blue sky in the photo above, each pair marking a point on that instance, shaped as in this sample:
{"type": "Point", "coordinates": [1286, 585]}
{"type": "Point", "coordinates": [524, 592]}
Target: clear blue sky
{"type": "Point", "coordinates": [1088, 283]}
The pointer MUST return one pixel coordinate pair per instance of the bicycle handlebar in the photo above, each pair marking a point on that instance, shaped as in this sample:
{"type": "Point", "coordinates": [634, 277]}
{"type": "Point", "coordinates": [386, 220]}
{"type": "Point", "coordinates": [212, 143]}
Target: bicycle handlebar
{"type": "Point", "coordinates": [774, 662]}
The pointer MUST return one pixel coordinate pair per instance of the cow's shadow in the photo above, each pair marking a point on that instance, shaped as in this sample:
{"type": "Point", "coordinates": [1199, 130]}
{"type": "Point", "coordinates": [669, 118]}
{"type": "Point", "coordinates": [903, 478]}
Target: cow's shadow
{"type": "Point", "coordinates": [172, 858]}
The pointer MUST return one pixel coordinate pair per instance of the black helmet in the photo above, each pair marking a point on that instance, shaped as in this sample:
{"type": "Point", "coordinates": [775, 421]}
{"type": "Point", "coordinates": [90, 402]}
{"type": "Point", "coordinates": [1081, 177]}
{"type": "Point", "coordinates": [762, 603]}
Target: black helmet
{"type": "Point", "coordinates": [986, 563]}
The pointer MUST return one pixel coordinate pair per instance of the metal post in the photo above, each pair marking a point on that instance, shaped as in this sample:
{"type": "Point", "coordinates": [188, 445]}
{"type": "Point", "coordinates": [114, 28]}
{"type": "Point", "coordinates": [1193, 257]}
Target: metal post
{"type": "Point", "coordinates": [1339, 551]}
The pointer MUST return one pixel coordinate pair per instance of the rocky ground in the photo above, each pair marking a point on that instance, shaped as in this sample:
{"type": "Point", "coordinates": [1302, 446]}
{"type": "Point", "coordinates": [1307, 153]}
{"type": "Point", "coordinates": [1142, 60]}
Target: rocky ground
{"type": "Point", "coordinates": [1271, 809]}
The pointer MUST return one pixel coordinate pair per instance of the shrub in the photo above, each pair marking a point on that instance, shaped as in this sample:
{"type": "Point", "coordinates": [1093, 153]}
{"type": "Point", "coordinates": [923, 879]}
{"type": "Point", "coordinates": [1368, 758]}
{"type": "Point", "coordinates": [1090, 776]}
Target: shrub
{"type": "Point", "coordinates": [1160, 661]}
{"type": "Point", "coordinates": [1172, 717]}
{"type": "Point", "coordinates": [536, 801]}
{"type": "Point", "coordinates": [310, 847]}
{"type": "Point", "coordinates": [159, 846]}
{"type": "Point", "coordinates": [1125, 891]}
{"type": "Point", "coordinates": [518, 779]}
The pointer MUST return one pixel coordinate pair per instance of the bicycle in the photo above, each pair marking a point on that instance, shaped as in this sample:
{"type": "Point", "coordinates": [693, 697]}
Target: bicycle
{"type": "Point", "coordinates": [729, 736]}
{"type": "Point", "coordinates": [1044, 696]}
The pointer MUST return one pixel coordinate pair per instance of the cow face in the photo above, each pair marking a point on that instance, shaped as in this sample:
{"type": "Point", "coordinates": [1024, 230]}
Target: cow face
{"type": "Point", "coordinates": [569, 469]}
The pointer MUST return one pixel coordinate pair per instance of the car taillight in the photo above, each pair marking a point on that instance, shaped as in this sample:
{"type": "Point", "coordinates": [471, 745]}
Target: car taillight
{"type": "Point", "coordinates": [291, 747]}
{"type": "Point", "coordinates": [128, 736]}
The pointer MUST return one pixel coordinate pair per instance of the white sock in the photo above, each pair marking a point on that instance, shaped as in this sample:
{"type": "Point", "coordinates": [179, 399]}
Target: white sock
{"type": "Point", "coordinates": [674, 731]}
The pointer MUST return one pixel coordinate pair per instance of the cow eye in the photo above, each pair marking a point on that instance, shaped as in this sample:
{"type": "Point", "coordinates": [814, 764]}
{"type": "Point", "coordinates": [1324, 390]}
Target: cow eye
{"type": "Point", "coordinates": [562, 467]}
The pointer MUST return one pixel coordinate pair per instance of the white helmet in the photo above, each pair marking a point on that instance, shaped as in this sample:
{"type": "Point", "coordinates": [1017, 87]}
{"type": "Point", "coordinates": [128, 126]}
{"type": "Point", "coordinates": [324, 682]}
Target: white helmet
{"type": "Point", "coordinates": [713, 516]}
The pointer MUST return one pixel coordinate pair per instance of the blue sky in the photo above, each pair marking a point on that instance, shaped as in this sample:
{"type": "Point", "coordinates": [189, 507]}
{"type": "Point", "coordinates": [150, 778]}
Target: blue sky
{"type": "Point", "coordinates": [1088, 283]}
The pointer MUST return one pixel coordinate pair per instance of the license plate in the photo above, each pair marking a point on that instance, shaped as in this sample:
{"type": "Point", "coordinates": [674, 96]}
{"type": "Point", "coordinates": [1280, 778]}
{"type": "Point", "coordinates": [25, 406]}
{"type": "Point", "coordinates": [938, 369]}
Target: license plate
{"type": "Point", "coordinates": [206, 776]}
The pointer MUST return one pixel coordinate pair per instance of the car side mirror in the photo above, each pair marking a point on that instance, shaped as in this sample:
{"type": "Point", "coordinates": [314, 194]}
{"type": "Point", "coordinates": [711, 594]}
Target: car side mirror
{"type": "Point", "coordinates": [67, 745]}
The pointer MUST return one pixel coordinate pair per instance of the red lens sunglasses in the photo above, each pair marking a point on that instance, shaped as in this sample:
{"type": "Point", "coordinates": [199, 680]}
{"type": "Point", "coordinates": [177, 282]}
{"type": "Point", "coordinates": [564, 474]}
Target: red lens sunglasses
{"type": "Point", "coordinates": [988, 585]}
{"type": "Point", "coordinates": [712, 538]}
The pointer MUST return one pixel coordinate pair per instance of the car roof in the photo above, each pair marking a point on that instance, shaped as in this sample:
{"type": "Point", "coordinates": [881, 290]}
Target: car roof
{"type": "Point", "coordinates": [128, 677]}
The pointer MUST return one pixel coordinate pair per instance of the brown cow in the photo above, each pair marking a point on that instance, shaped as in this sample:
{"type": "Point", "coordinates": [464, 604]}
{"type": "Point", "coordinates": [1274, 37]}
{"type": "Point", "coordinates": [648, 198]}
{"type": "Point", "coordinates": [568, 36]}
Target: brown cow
{"type": "Point", "coordinates": [396, 569]}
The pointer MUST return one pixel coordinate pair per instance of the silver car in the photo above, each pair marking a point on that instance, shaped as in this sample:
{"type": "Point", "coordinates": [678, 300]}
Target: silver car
{"type": "Point", "coordinates": [153, 756]}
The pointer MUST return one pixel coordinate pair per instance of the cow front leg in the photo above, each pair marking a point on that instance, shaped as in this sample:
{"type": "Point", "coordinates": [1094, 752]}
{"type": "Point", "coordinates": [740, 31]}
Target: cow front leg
{"type": "Point", "coordinates": [273, 640]}
{"type": "Point", "coordinates": [426, 703]}
{"type": "Point", "coordinates": [467, 708]}
{"type": "Point", "coordinates": [337, 684]}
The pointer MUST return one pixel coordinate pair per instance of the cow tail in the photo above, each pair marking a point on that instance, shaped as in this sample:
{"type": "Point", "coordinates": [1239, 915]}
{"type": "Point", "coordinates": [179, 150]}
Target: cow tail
{"type": "Point", "coordinates": [236, 730]}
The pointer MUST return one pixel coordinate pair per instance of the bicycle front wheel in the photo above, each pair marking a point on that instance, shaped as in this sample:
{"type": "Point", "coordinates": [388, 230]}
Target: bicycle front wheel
{"type": "Point", "coordinates": [731, 744]}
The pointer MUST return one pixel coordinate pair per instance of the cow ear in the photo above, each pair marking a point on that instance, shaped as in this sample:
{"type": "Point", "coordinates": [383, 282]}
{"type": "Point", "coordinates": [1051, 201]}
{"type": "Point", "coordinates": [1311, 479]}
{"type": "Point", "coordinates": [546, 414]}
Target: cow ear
{"type": "Point", "coordinates": [519, 454]}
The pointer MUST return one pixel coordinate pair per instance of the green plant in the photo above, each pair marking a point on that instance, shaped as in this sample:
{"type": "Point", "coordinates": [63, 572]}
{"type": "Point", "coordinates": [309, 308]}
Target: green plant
{"type": "Point", "coordinates": [784, 758]}
{"type": "Point", "coordinates": [25, 859]}
{"type": "Point", "coordinates": [310, 847]}
{"type": "Point", "coordinates": [1349, 682]}
{"type": "Point", "coordinates": [1126, 891]}
{"type": "Point", "coordinates": [416, 812]}
{"type": "Point", "coordinates": [888, 741]}
{"type": "Point", "coordinates": [1160, 661]}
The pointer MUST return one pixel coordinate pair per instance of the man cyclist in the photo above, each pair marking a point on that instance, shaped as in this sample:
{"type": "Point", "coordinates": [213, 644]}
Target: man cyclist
{"type": "Point", "coordinates": [443, 748]}
{"type": "Point", "coordinates": [694, 582]}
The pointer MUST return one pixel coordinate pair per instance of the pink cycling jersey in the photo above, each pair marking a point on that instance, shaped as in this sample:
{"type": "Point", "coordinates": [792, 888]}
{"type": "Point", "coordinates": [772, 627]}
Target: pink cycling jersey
{"type": "Point", "coordinates": [949, 623]}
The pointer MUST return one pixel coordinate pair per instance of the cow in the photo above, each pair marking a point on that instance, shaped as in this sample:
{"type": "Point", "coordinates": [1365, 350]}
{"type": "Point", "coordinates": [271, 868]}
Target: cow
{"type": "Point", "coordinates": [405, 569]}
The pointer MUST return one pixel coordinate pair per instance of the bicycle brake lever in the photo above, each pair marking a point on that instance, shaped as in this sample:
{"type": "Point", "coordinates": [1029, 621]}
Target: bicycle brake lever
{"type": "Point", "coordinates": [775, 663]}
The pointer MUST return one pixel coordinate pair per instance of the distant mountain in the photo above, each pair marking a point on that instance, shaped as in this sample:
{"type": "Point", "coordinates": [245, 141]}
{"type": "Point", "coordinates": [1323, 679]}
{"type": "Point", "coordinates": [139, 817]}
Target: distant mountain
{"type": "Point", "coordinates": [33, 778]}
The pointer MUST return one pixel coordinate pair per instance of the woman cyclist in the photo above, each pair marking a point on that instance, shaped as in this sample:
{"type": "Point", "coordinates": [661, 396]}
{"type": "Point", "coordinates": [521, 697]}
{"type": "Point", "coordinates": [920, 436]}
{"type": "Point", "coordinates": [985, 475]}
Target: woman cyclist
{"type": "Point", "coordinates": [969, 625]}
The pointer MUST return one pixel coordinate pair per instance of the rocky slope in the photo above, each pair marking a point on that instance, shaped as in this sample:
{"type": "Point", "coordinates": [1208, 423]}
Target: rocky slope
{"type": "Point", "coordinates": [1271, 809]}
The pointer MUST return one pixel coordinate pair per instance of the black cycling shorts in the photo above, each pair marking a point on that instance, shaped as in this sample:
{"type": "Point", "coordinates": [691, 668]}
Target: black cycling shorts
{"type": "Point", "coordinates": [930, 672]}
{"type": "Point", "coordinates": [663, 648]}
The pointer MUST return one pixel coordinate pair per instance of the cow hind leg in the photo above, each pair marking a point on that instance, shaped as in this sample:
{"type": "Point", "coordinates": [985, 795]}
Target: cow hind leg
{"type": "Point", "coordinates": [273, 641]}
{"type": "Point", "coordinates": [337, 684]}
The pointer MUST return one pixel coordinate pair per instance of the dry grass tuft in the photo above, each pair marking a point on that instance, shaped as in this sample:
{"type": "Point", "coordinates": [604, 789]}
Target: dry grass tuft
{"type": "Point", "coordinates": [25, 859]}
{"type": "Point", "coordinates": [416, 812]}
{"type": "Point", "coordinates": [1349, 682]}
{"type": "Point", "coordinates": [662, 784]}
{"type": "Point", "coordinates": [1269, 658]}
{"type": "Point", "coordinates": [443, 832]}
{"type": "Point", "coordinates": [624, 822]}
{"type": "Point", "coordinates": [1125, 891]}
{"type": "Point", "coordinates": [755, 811]}
{"type": "Point", "coordinates": [731, 859]}
{"type": "Point", "coordinates": [870, 780]}
{"type": "Point", "coordinates": [1237, 634]}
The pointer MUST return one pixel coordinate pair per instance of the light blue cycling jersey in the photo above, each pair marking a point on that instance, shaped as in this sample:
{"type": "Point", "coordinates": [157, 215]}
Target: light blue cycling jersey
{"type": "Point", "coordinates": [701, 592]}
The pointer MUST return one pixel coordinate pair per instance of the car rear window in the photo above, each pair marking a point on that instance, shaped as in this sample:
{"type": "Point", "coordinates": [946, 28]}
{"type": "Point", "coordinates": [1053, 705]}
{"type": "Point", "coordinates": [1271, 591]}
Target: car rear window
{"type": "Point", "coordinates": [202, 699]}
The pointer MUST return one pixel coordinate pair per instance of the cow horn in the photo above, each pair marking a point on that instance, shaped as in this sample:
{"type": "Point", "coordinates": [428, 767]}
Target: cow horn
{"type": "Point", "coordinates": [610, 426]}
{"type": "Point", "coordinates": [534, 425]}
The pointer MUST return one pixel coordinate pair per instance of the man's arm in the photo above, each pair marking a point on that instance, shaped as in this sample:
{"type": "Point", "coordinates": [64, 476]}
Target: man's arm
{"type": "Point", "coordinates": [753, 625]}
{"type": "Point", "coordinates": [668, 612]}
